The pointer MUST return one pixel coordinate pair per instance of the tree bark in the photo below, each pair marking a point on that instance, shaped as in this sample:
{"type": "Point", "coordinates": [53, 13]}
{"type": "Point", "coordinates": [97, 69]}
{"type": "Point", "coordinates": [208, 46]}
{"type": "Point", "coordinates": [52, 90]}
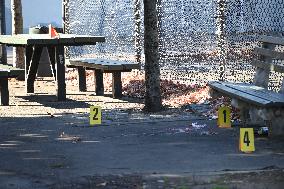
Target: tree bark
{"type": "Point", "coordinates": [153, 101]}
{"type": "Point", "coordinates": [3, 53]}
{"type": "Point", "coordinates": [17, 28]}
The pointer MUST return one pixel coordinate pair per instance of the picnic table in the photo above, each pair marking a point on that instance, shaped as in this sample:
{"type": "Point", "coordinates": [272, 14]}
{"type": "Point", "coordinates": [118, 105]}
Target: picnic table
{"type": "Point", "coordinates": [34, 43]}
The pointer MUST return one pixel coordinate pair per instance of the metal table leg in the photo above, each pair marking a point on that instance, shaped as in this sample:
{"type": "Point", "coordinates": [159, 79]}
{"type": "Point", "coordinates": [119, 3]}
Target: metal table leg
{"type": "Point", "coordinates": [33, 66]}
{"type": "Point", "coordinates": [60, 73]}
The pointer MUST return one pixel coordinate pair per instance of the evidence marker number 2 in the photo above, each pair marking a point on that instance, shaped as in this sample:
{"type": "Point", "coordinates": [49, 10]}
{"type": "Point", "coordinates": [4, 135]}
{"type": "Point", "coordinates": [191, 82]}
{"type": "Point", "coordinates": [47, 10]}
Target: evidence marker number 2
{"type": "Point", "coordinates": [95, 115]}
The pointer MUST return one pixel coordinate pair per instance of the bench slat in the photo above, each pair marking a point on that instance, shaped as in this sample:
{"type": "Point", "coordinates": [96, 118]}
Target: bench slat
{"type": "Point", "coordinates": [272, 40]}
{"type": "Point", "coordinates": [250, 93]}
{"type": "Point", "coordinates": [86, 64]}
{"type": "Point", "coordinates": [268, 66]}
{"type": "Point", "coordinates": [10, 71]}
{"type": "Point", "coordinates": [269, 53]}
{"type": "Point", "coordinates": [104, 64]}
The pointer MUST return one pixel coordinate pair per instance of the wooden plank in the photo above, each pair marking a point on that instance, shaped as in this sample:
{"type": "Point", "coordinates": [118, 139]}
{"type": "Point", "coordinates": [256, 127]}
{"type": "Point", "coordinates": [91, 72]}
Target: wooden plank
{"type": "Point", "coordinates": [16, 73]}
{"type": "Point", "coordinates": [71, 66]}
{"type": "Point", "coordinates": [71, 39]}
{"type": "Point", "coordinates": [27, 39]}
{"type": "Point", "coordinates": [99, 80]}
{"type": "Point", "coordinates": [218, 86]}
{"type": "Point", "coordinates": [108, 71]}
{"type": "Point", "coordinates": [4, 74]}
{"type": "Point", "coordinates": [251, 97]}
{"type": "Point", "coordinates": [272, 40]}
{"type": "Point", "coordinates": [60, 73]}
{"type": "Point", "coordinates": [44, 39]}
{"type": "Point", "coordinates": [269, 53]}
{"type": "Point", "coordinates": [116, 85]}
{"type": "Point", "coordinates": [10, 71]}
{"type": "Point", "coordinates": [4, 90]}
{"type": "Point", "coordinates": [89, 39]}
{"type": "Point", "coordinates": [131, 66]}
{"type": "Point", "coordinates": [268, 66]}
{"type": "Point", "coordinates": [8, 67]}
{"type": "Point", "coordinates": [112, 65]}
{"type": "Point", "coordinates": [258, 92]}
{"type": "Point", "coordinates": [104, 64]}
{"type": "Point", "coordinates": [66, 40]}
{"type": "Point", "coordinates": [80, 39]}
{"type": "Point", "coordinates": [88, 65]}
{"type": "Point", "coordinates": [261, 77]}
{"type": "Point", "coordinates": [8, 39]}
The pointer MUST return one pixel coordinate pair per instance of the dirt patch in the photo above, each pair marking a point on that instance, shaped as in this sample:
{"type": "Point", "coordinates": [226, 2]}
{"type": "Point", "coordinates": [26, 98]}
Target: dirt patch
{"type": "Point", "coordinates": [261, 179]}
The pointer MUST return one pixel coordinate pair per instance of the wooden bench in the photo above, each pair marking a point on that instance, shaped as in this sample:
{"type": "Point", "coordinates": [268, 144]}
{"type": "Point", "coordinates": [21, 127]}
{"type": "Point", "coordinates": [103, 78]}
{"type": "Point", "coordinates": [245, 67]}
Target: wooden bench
{"type": "Point", "coordinates": [257, 104]}
{"type": "Point", "coordinates": [101, 66]}
{"type": "Point", "coordinates": [7, 72]}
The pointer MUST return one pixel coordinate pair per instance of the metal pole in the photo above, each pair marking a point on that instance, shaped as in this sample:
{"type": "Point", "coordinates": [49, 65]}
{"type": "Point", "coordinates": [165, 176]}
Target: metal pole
{"type": "Point", "coordinates": [221, 37]}
{"type": "Point", "coordinates": [63, 15]}
{"type": "Point", "coordinates": [65, 24]}
{"type": "Point", "coordinates": [137, 29]}
{"type": "Point", "coordinates": [3, 53]}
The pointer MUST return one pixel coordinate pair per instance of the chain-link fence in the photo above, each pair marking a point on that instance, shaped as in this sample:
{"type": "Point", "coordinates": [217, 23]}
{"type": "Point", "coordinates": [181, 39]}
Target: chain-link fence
{"type": "Point", "coordinates": [200, 40]}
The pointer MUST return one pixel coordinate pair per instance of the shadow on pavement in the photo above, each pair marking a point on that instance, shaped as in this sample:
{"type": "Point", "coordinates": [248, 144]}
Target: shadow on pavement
{"type": "Point", "coordinates": [51, 101]}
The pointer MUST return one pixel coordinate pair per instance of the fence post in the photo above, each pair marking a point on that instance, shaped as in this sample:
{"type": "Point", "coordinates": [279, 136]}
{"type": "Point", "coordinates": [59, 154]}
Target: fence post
{"type": "Point", "coordinates": [3, 53]}
{"type": "Point", "coordinates": [221, 18]}
{"type": "Point", "coordinates": [137, 30]}
{"type": "Point", "coordinates": [65, 24]}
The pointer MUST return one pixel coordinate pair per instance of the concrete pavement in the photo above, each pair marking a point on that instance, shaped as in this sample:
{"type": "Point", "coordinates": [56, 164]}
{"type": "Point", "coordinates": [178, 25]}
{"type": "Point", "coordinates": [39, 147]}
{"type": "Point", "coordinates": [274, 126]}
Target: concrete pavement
{"type": "Point", "coordinates": [38, 152]}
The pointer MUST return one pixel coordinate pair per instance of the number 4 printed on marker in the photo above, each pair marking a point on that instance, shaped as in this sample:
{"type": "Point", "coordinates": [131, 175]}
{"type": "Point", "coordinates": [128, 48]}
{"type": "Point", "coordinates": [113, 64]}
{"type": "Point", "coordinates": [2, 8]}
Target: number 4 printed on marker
{"type": "Point", "coordinates": [246, 140]}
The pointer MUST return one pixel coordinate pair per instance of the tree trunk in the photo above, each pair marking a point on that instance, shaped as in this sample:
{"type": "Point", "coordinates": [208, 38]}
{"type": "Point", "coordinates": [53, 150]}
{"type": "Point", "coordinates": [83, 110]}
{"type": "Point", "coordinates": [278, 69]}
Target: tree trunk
{"type": "Point", "coordinates": [153, 101]}
{"type": "Point", "coordinates": [3, 53]}
{"type": "Point", "coordinates": [17, 28]}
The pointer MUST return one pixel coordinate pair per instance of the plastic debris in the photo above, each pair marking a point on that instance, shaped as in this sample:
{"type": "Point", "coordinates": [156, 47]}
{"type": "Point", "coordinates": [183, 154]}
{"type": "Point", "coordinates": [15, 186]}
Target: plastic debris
{"type": "Point", "coordinates": [198, 126]}
{"type": "Point", "coordinates": [263, 131]}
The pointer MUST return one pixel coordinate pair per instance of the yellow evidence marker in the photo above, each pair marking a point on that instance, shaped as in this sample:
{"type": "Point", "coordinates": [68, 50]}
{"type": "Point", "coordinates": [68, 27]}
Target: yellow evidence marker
{"type": "Point", "coordinates": [246, 140]}
{"type": "Point", "coordinates": [95, 115]}
{"type": "Point", "coordinates": [224, 117]}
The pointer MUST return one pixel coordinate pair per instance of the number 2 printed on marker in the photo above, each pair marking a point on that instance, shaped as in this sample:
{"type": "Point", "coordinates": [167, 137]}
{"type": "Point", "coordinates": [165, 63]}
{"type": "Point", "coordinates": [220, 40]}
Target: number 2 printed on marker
{"type": "Point", "coordinates": [95, 115]}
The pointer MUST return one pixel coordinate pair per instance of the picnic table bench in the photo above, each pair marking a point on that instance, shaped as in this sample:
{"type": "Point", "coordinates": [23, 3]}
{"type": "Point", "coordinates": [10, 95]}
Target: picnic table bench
{"type": "Point", "coordinates": [101, 66]}
{"type": "Point", "coordinates": [7, 72]}
{"type": "Point", "coordinates": [256, 103]}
